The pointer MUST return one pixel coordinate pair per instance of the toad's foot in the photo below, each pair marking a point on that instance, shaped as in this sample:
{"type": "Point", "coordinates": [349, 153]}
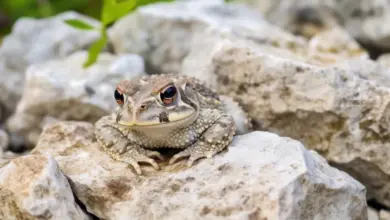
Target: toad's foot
{"type": "Point", "coordinates": [120, 148]}
{"type": "Point", "coordinates": [213, 141]}
{"type": "Point", "coordinates": [136, 154]}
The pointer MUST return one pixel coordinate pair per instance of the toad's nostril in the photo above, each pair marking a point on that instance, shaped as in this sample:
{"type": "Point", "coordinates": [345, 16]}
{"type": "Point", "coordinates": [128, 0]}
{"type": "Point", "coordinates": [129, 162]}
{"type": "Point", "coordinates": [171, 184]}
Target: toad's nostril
{"type": "Point", "coordinates": [143, 106]}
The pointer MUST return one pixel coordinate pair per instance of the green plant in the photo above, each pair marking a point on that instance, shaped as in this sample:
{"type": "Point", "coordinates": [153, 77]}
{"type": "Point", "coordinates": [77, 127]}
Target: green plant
{"type": "Point", "coordinates": [112, 10]}
{"type": "Point", "coordinates": [12, 10]}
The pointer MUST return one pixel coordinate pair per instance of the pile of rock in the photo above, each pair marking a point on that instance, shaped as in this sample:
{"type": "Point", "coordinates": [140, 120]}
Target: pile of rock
{"type": "Point", "coordinates": [324, 100]}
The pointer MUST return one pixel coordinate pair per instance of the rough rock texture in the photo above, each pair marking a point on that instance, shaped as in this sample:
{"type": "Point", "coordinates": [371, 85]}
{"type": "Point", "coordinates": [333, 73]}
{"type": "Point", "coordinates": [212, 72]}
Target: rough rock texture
{"type": "Point", "coordinates": [7, 156]}
{"type": "Point", "coordinates": [63, 90]}
{"type": "Point", "coordinates": [33, 187]}
{"type": "Point", "coordinates": [365, 20]}
{"type": "Point", "coordinates": [261, 176]}
{"type": "Point", "coordinates": [371, 70]}
{"type": "Point", "coordinates": [330, 47]}
{"type": "Point", "coordinates": [340, 111]}
{"type": "Point", "coordinates": [35, 41]}
{"type": "Point", "coordinates": [161, 32]}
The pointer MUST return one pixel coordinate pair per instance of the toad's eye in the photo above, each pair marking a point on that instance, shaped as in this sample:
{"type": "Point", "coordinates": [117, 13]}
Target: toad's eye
{"type": "Point", "coordinates": [168, 95]}
{"type": "Point", "coordinates": [119, 98]}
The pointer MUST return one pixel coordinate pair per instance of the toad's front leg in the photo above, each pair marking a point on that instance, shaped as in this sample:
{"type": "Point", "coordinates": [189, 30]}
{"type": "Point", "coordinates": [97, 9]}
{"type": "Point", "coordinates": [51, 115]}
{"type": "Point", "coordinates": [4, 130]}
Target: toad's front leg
{"type": "Point", "coordinates": [214, 140]}
{"type": "Point", "coordinates": [122, 149]}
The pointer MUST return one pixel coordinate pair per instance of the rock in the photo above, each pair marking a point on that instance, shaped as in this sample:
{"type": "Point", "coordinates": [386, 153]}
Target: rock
{"type": "Point", "coordinates": [241, 119]}
{"type": "Point", "coordinates": [365, 20]}
{"type": "Point", "coordinates": [334, 45]}
{"type": "Point", "coordinates": [1, 114]}
{"type": "Point", "coordinates": [161, 32]}
{"type": "Point", "coordinates": [372, 214]}
{"type": "Point", "coordinates": [384, 59]}
{"type": "Point", "coordinates": [35, 41]}
{"type": "Point", "coordinates": [16, 143]}
{"type": "Point", "coordinates": [63, 90]}
{"type": "Point", "coordinates": [384, 215]}
{"type": "Point", "coordinates": [4, 140]}
{"type": "Point", "coordinates": [4, 144]}
{"type": "Point", "coordinates": [368, 70]}
{"type": "Point", "coordinates": [340, 111]}
{"type": "Point", "coordinates": [331, 47]}
{"type": "Point", "coordinates": [295, 183]}
{"type": "Point", "coordinates": [7, 156]}
{"type": "Point", "coordinates": [33, 187]}
{"type": "Point", "coordinates": [302, 17]}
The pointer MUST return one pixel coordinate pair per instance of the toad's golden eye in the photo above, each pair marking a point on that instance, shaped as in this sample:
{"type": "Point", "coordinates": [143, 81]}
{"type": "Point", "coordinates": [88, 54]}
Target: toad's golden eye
{"type": "Point", "coordinates": [168, 95]}
{"type": "Point", "coordinates": [119, 98]}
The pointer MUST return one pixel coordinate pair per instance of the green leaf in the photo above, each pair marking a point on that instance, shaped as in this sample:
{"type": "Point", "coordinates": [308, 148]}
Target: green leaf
{"type": "Point", "coordinates": [96, 48]}
{"type": "Point", "coordinates": [112, 10]}
{"type": "Point", "coordinates": [146, 2]}
{"type": "Point", "coordinates": [79, 24]}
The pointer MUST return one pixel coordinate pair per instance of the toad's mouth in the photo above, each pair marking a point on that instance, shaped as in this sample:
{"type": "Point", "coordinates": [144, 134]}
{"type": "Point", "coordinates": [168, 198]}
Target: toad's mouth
{"type": "Point", "coordinates": [163, 120]}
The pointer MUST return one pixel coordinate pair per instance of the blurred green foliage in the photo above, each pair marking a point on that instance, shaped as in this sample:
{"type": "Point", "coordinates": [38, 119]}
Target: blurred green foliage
{"type": "Point", "coordinates": [11, 10]}
{"type": "Point", "coordinates": [112, 10]}
{"type": "Point", "coordinates": [107, 11]}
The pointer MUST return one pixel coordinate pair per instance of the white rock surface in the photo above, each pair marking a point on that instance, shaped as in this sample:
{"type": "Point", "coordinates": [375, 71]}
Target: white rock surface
{"type": "Point", "coordinates": [63, 90]}
{"type": "Point", "coordinates": [384, 59]}
{"type": "Point", "coordinates": [261, 176]}
{"type": "Point", "coordinates": [161, 32]}
{"type": "Point", "coordinates": [384, 215]}
{"type": "Point", "coordinates": [340, 111]}
{"type": "Point", "coordinates": [33, 187]}
{"type": "Point", "coordinates": [35, 41]}
{"type": "Point", "coordinates": [372, 214]}
{"type": "Point", "coordinates": [371, 70]}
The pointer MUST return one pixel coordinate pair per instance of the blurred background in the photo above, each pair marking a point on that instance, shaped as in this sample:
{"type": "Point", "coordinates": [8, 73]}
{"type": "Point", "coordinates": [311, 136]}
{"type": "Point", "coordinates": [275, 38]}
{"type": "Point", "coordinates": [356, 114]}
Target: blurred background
{"type": "Point", "coordinates": [11, 10]}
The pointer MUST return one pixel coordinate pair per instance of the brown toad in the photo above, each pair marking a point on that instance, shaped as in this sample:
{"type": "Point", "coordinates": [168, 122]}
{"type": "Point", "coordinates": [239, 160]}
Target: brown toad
{"type": "Point", "coordinates": [165, 111]}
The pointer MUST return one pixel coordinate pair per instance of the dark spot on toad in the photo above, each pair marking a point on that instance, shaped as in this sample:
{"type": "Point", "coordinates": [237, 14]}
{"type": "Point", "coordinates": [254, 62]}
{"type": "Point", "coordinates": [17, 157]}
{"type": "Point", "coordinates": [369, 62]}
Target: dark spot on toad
{"type": "Point", "coordinates": [222, 124]}
{"type": "Point", "coordinates": [163, 117]}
